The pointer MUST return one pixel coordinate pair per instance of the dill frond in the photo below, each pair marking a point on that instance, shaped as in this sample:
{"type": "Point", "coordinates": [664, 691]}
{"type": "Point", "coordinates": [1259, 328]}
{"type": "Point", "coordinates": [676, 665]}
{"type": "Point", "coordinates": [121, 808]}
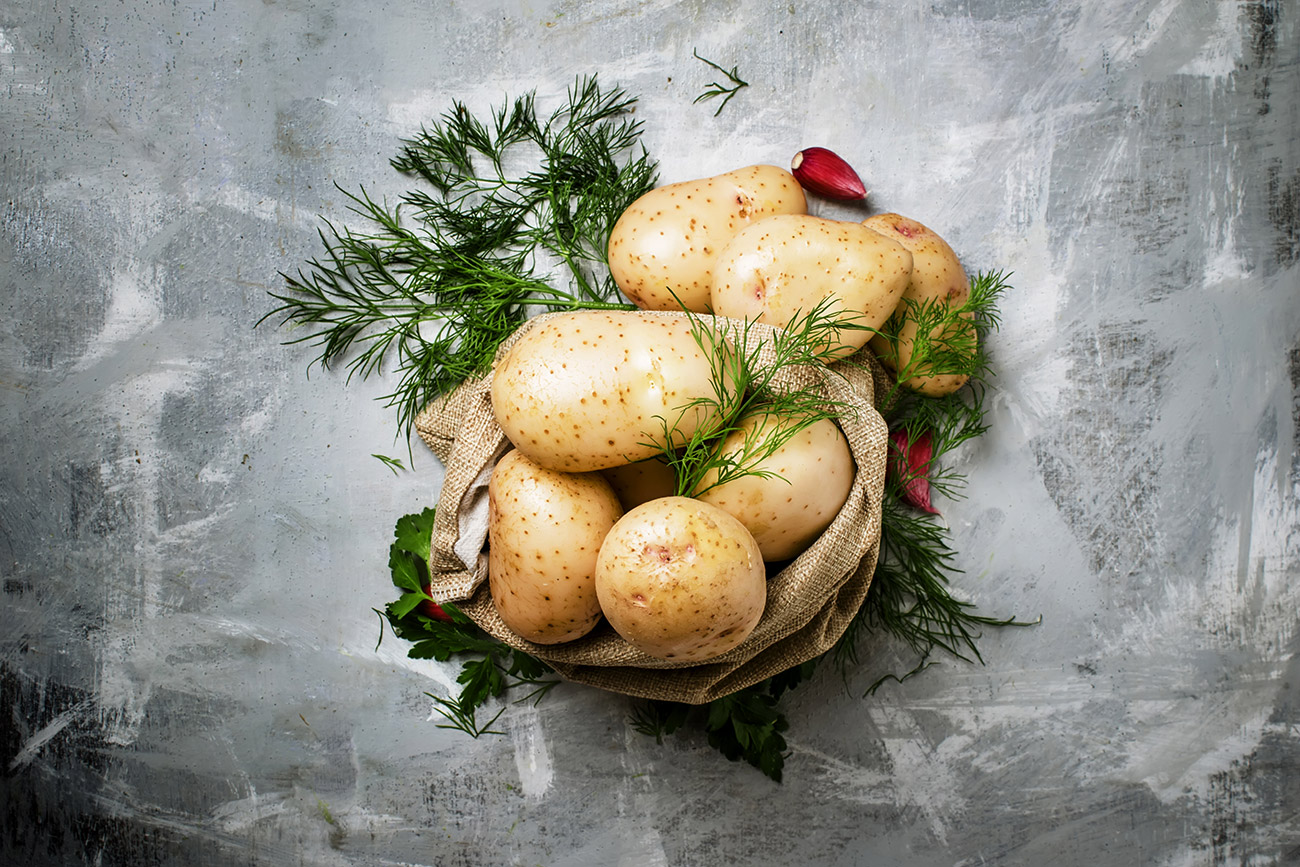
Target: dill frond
{"type": "Point", "coordinates": [437, 281]}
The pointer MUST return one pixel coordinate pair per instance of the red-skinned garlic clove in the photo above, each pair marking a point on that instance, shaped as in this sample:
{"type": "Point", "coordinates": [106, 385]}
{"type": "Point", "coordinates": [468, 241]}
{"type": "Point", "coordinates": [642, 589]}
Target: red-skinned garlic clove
{"type": "Point", "coordinates": [909, 462]}
{"type": "Point", "coordinates": [826, 173]}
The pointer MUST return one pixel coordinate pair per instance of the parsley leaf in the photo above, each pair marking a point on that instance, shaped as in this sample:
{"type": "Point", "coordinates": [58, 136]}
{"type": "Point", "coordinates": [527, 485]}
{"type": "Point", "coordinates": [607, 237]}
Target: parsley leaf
{"type": "Point", "coordinates": [489, 667]}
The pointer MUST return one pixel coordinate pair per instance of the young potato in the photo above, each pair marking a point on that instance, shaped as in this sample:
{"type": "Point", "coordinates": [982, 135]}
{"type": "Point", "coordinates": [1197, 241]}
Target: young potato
{"type": "Point", "coordinates": [666, 241]}
{"type": "Point", "coordinates": [545, 529]}
{"type": "Point", "coordinates": [681, 579]}
{"type": "Point", "coordinates": [587, 390]}
{"type": "Point", "coordinates": [937, 276]}
{"type": "Point", "coordinates": [641, 482]}
{"type": "Point", "coordinates": [782, 267]}
{"type": "Point", "coordinates": [813, 469]}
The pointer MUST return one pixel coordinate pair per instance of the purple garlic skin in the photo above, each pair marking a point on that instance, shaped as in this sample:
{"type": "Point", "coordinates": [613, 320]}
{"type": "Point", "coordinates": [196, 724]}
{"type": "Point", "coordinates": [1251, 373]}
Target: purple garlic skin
{"type": "Point", "coordinates": [827, 174]}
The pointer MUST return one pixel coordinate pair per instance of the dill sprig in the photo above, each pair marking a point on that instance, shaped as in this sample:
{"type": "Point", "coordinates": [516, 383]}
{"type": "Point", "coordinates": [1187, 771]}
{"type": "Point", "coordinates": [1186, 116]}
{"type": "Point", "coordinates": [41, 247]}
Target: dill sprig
{"type": "Point", "coordinates": [747, 399]}
{"type": "Point", "coordinates": [948, 340]}
{"type": "Point", "coordinates": [516, 222]}
{"type": "Point", "coordinates": [726, 91]}
{"type": "Point", "coordinates": [911, 596]}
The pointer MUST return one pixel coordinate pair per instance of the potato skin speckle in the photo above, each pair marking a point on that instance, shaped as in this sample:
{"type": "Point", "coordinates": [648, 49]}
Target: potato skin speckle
{"type": "Point", "coordinates": [584, 391]}
{"type": "Point", "coordinates": [659, 248]}
{"type": "Point", "coordinates": [545, 529]}
{"type": "Point", "coordinates": [937, 274]}
{"type": "Point", "coordinates": [786, 513]}
{"type": "Point", "coordinates": [681, 579]}
{"type": "Point", "coordinates": [785, 265]}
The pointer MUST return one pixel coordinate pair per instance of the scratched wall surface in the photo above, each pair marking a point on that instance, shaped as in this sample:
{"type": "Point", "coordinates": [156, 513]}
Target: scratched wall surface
{"type": "Point", "coordinates": [193, 532]}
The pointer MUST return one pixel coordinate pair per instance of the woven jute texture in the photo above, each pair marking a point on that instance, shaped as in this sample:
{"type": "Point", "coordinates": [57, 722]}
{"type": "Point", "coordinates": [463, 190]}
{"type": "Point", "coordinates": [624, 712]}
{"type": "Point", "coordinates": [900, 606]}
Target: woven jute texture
{"type": "Point", "coordinates": [810, 600]}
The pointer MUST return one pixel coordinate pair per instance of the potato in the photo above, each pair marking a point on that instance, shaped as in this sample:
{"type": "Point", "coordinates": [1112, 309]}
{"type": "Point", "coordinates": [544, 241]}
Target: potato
{"type": "Point", "coordinates": [786, 513]}
{"type": "Point", "coordinates": [666, 241]}
{"type": "Point", "coordinates": [545, 529]}
{"type": "Point", "coordinates": [641, 482]}
{"type": "Point", "coordinates": [782, 267]}
{"type": "Point", "coordinates": [681, 579]}
{"type": "Point", "coordinates": [586, 390]}
{"type": "Point", "coordinates": [937, 275]}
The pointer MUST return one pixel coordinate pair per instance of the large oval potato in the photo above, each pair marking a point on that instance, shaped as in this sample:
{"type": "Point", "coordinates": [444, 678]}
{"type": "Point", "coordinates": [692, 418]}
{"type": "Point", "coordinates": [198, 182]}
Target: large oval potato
{"type": "Point", "coordinates": [588, 390]}
{"type": "Point", "coordinates": [545, 529]}
{"type": "Point", "coordinates": [784, 266]}
{"type": "Point", "coordinates": [666, 241]}
{"type": "Point", "coordinates": [681, 579]}
{"type": "Point", "coordinates": [797, 489]}
{"type": "Point", "coordinates": [937, 277]}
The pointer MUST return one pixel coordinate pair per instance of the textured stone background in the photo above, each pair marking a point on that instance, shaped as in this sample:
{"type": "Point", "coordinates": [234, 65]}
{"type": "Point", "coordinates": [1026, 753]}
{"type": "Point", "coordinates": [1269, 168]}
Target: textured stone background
{"type": "Point", "coordinates": [193, 533]}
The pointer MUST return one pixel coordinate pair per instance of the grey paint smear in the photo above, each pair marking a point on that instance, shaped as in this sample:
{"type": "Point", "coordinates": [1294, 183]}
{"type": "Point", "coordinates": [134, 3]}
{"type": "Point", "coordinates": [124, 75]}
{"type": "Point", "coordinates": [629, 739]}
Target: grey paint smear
{"type": "Point", "coordinates": [193, 531]}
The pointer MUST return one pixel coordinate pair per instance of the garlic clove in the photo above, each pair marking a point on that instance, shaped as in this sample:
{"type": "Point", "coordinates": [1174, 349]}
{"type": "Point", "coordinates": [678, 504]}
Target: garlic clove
{"type": "Point", "coordinates": [909, 462]}
{"type": "Point", "coordinates": [826, 173]}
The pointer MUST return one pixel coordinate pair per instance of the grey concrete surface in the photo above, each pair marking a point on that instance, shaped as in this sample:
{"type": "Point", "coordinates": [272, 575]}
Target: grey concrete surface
{"type": "Point", "coordinates": [193, 532]}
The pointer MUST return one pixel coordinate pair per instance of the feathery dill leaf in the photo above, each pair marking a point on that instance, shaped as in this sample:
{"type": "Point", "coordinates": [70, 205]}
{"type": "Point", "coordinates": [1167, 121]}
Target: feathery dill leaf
{"type": "Point", "coordinates": [439, 279]}
{"type": "Point", "coordinates": [948, 340]}
{"type": "Point", "coordinates": [726, 91]}
{"type": "Point", "coordinates": [747, 398]}
{"type": "Point", "coordinates": [911, 596]}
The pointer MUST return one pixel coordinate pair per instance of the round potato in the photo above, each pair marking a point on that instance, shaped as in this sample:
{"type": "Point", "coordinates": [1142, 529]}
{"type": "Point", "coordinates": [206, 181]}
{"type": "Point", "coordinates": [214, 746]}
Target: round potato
{"type": "Point", "coordinates": [593, 389]}
{"type": "Point", "coordinates": [937, 277]}
{"type": "Point", "coordinates": [681, 579]}
{"type": "Point", "coordinates": [799, 487]}
{"type": "Point", "coordinates": [781, 268]}
{"type": "Point", "coordinates": [545, 529]}
{"type": "Point", "coordinates": [666, 241]}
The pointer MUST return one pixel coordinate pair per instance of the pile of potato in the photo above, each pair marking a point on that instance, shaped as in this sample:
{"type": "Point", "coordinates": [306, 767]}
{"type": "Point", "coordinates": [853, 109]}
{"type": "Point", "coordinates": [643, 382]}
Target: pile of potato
{"type": "Point", "coordinates": [583, 520]}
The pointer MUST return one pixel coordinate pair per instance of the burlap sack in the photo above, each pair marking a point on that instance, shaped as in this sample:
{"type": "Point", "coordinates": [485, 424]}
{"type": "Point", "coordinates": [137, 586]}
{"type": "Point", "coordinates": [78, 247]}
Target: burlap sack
{"type": "Point", "coordinates": [809, 602]}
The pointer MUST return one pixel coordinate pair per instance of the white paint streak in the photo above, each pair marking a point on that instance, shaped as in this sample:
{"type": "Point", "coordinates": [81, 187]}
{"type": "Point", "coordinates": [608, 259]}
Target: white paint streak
{"type": "Point", "coordinates": [242, 814]}
{"type": "Point", "coordinates": [126, 654]}
{"type": "Point", "coordinates": [532, 757]}
{"type": "Point", "coordinates": [135, 306]}
{"type": "Point", "coordinates": [1222, 49]}
{"type": "Point", "coordinates": [845, 781]}
{"type": "Point", "coordinates": [923, 776]}
{"type": "Point", "coordinates": [648, 845]}
{"type": "Point", "coordinates": [267, 209]}
{"type": "Point", "coordinates": [1194, 729]}
{"type": "Point", "coordinates": [33, 745]}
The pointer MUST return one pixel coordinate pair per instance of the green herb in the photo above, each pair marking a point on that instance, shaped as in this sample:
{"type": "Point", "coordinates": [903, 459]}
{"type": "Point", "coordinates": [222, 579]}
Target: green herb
{"type": "Point", "coordinates": [910, 596]}
{"type": "Point", "coordinates": [443, 276]}
{"type": "Point", "coordinates": [949, 340]}
{"type": "Point", "coordinates": [515, 220]}
{"type": "Point", "coordinates": [727, 91]}
{"type": "Point", "coordinates": [392, 463]}
{"type": "Point", "coordinates": [489, 667]}
{"type": "Point", "coordinates": [747, 400]}
{"type": "Point", "coordinates": [746, 724]}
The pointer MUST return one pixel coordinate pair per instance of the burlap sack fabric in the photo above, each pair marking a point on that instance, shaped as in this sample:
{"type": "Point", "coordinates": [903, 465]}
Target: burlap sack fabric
{"type": "Point", "coordinates": [810, 601]}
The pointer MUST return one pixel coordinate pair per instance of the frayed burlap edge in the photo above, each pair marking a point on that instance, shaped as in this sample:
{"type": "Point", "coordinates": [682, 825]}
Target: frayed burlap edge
{"type": "Point", "coordinates": [811, 600]}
